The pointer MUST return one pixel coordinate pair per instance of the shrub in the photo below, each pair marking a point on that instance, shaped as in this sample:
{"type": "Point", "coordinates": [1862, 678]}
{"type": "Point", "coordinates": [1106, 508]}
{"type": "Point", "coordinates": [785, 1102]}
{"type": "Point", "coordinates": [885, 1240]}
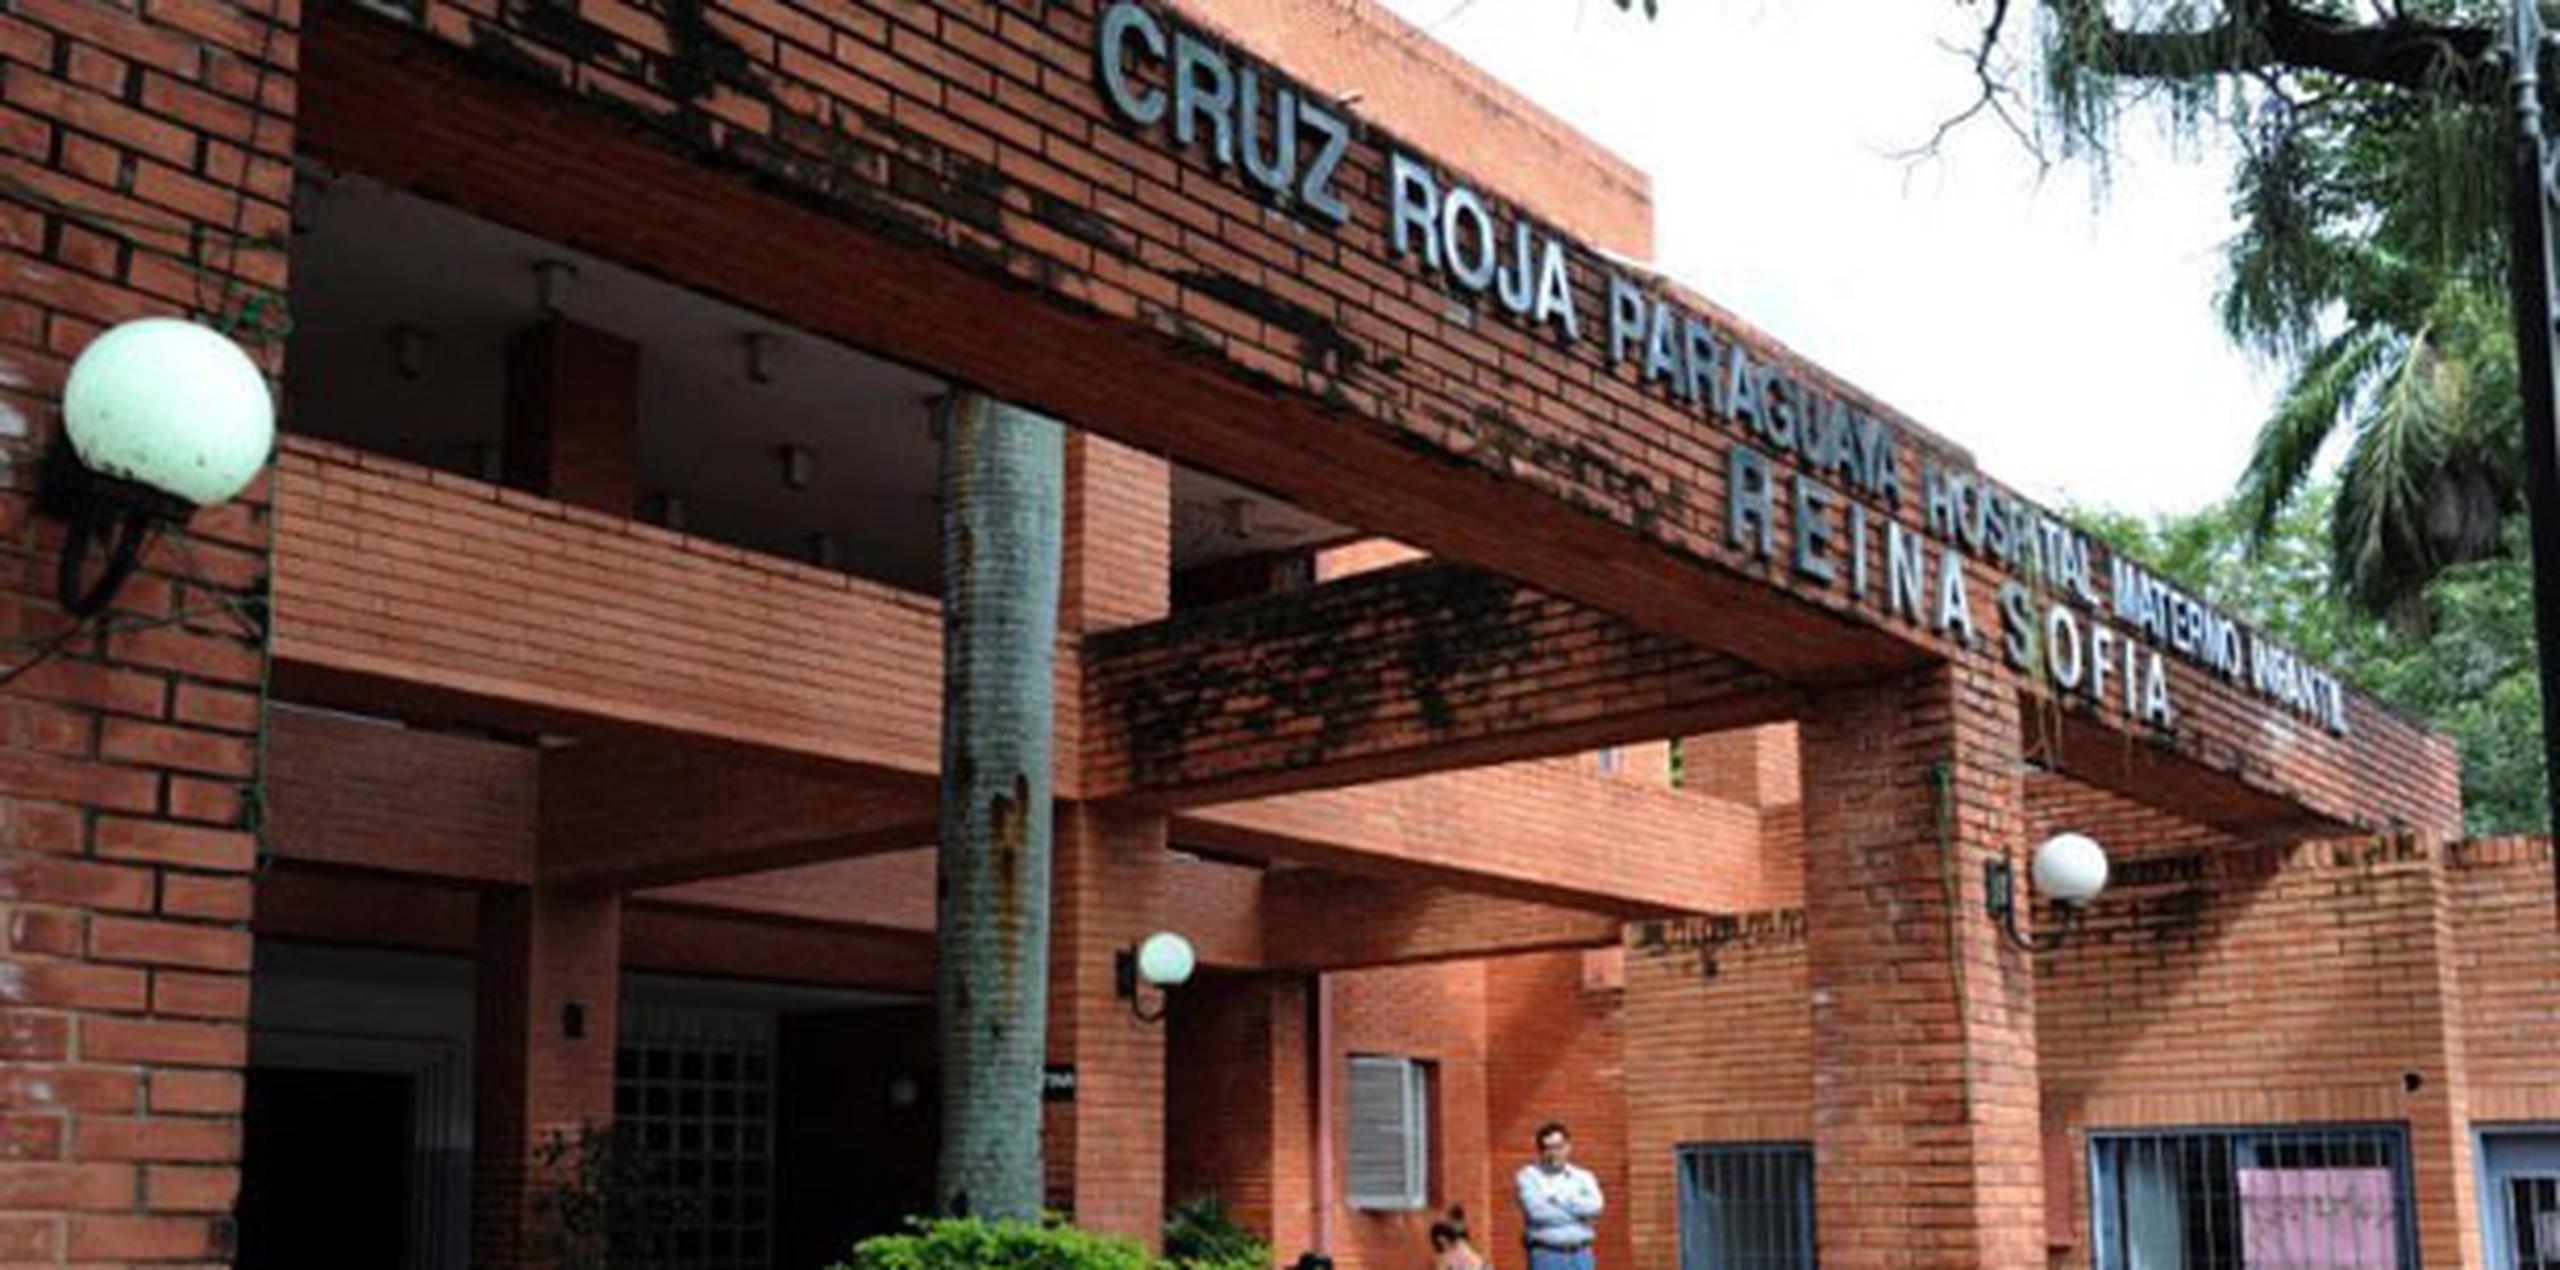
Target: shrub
{"type": "Point", "coordinates": [1201, 1235]}
{"type": "Point", "coordinates": [968, 1243]}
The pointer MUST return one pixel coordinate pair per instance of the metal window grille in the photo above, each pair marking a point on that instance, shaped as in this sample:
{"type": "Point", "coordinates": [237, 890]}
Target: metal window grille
{"type": "Point", "coordinates": [1390, 1133]}
{"type": "Point", "coordinates": [693, 1091]}
{"type": "Point", "coordinates": [2266, 1199]}
{"type": "Point", "coordinates": [2533, 1220]}
{"type": "Point", "coordinates": [1746, 1206]}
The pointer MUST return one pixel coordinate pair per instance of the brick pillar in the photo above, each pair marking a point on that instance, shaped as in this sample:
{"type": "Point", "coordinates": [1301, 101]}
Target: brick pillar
{"type": "Point", "coordinates": [1116, 565]}
{"type": "Point", "coordinates": [2444, 1167]}
{"type": "Point", "coordinates": [1104, 1151]}
{"type": "Point", "coordinates": [548, 981]}
{"type": "Point", "coordinates": [573, 416]}
{"type": "Point", "coordinates": [127, 759]}
{"type": "Point", "coordinates": [1926, 1128]}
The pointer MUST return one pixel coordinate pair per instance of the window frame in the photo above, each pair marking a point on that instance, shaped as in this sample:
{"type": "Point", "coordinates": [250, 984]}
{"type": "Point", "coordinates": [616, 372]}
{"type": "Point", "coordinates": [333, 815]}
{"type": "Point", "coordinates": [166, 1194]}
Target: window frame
{"type": "Point", "coordinates": [2106, 1248]}
{"type": "Point", "coordinates": [1794, 1156]}
{"type": "Point", "coordinates": [1413, 1193]}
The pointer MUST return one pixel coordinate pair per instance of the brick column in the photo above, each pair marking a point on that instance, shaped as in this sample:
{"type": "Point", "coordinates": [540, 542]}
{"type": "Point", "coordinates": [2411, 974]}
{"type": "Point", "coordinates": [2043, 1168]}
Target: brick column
{"type": "Point", "coordinates": [548, 981]}
{"type": "Point", "coordinates": [1924, 1064]}
{"type": "Point", "coordinates": [1104, 1151]}
{"type": "Point", "coordinates": [573, 416]}
{"type": "Point", "coordinates": [2443, 1166]}
{"type": "Point", "coordinates": [129, 760]}
{"type": "Point", "coordinates": [1116, 562]}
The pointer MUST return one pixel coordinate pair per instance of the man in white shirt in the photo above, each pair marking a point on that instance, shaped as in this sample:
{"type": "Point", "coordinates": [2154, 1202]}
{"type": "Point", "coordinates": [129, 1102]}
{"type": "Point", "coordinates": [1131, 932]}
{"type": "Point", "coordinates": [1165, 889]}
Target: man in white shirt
{"type": "Point", "coordinates": [1558, 1203]}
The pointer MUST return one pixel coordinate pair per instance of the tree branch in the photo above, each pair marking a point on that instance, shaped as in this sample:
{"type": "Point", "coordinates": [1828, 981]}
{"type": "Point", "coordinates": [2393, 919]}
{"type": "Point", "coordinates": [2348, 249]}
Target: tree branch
{"type": "Point", "coordinates": [2408, 52]}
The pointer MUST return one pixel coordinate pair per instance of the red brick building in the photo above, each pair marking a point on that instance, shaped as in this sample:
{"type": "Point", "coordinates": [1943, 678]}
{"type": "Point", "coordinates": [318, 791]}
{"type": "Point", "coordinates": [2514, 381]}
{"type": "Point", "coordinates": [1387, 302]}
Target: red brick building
{"type": "Point", "coordinates": [549, 741]}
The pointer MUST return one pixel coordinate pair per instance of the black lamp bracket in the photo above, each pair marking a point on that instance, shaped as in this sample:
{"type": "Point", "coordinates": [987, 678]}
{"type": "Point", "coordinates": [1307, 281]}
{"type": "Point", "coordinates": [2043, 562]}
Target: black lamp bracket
{"type": "Point", "coordinates": [110, 511]}
{"type": "Point", "coordinates": [1124, 974]}
{"type": "Point", "coordinates": [2000, 899]}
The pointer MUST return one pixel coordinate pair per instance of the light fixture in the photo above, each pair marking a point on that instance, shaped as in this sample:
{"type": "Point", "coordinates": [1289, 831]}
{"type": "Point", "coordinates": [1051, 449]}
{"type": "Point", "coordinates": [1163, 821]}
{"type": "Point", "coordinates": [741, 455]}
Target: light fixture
{"type": "Point", "coordinates": [675, 512]}
{"type": "Point", "coordinates": [413, 349]}
{"type": "Point", "coordinates": [1162, 961]}
{"type": "Point", "coordinates": [759, 356]}
{"type": "Point", "coordinates": [2070, 869]}
{"type": "Point", "coordinates": [551, 282]}
{"type": "Point", "coordinates": [799, 466]}
{"type": "Point", "coordinates": [161, 416]}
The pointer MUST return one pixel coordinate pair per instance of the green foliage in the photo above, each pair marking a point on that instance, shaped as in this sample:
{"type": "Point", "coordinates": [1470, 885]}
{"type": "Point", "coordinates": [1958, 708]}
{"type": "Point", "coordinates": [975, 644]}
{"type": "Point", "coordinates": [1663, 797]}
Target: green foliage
{"type": "Point", "coordinates": [971, 1243]}
{"type": "Point", "coordinates": [1200, 1234]}
{"type": "Point", "coordinates": [2370, 265]}
{"type": "Point", "coordinates": [2474, 676]}
{"type": "Point", "coordinates": [2371, 258]}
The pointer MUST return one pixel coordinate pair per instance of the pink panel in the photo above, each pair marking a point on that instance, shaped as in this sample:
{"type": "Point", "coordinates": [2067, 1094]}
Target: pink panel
{"type": "Point", "coordinates": [2318, 1219]}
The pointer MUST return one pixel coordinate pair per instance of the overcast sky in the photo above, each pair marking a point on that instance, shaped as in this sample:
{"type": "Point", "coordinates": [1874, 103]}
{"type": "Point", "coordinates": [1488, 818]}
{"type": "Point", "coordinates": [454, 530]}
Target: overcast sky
{"type": "Point", "coordinates": [2068, 339]}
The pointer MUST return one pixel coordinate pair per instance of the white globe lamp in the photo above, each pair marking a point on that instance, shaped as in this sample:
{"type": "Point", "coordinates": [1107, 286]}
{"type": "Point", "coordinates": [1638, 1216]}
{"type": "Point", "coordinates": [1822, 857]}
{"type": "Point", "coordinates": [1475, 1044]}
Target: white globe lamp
{"type": "Point", "coordinates": [1161, 961]}
{"type": "Point", "coordinates": [162, 416]}
{"type": "Point", "coordinates": [1166, 960]}
{"type": "Point", "coordinates": [171, 406]}
{"type": "Point", "coordinates": [2070, 869]}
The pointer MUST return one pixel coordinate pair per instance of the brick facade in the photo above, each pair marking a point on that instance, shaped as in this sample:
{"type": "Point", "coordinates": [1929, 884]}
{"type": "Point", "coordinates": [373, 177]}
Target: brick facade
{"type": "Point", "coordinates": [510, 725]}
{"type": "Point", "coordinates": [130, 764]}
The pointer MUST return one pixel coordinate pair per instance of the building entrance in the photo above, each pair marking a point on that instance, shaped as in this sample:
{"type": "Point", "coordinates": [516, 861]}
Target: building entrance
{"type": "Point", "coordinates": [326, 1178]}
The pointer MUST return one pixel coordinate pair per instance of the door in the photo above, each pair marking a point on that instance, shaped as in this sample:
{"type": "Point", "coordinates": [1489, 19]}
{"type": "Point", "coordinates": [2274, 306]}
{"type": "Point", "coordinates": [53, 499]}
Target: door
{"type": "Point", "coordinates": [325, 1177]}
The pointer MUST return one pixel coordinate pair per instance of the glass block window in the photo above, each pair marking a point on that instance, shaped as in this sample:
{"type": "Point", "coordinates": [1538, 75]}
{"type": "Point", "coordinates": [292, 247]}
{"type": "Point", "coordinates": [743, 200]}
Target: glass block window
{"type": "Point", "coordinates": [2267, 1199]}
{"type": "Point", "coordinates": [1390, 1133]}
{"type": "Point", "coordinates": [693, 1096]}
{"type": "Point", "coordinates": [1746, 1206]}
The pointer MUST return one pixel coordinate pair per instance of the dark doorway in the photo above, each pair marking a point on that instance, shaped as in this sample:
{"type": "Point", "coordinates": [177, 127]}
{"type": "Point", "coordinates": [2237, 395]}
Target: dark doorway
{"type": "Point", "coordinates": [855, 1143]}
{"type": "Point", "coordinates": [325, 1179]}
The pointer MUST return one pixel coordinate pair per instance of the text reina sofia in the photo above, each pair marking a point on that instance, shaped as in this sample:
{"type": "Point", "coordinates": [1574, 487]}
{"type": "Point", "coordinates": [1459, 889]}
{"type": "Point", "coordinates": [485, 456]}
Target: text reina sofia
{"type": "Point", "coordinates": [1156, 72]}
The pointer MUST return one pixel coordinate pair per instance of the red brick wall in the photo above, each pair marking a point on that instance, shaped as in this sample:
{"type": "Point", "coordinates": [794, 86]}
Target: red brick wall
{"type": "Point", "coordinates": [1555, 1049]}
{"type": "Point", "coordinates": [371, 794]}
{"type": "Point", "coordinates": [1434, 1013]}
{"type": "Point", "coordinates": [1222, 1126]}
{"type": "Point", "coordinates": [946, 160]}
{"type": "Point", "coordinates": [424, 588]}
{"type": "Point", "coordinates": [128, 132]}
{"type": "Point", "coordinates": [1719, 1048]}
{"type": "Point", "coordinates": [1409, 82]}
{"type": "Point", "coordinates": [2507, 946]}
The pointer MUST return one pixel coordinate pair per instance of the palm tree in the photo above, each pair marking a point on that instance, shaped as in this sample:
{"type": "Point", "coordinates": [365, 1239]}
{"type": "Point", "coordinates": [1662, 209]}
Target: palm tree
{"type": "Point", "coordinates": [2371, 264]}
{"type": "Point", "coordinates": [1003, 490]}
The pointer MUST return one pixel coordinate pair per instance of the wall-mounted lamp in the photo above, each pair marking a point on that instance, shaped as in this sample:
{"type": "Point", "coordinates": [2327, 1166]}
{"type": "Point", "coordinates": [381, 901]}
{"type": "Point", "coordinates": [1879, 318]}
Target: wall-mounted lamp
{"type": "Point", "coordinates": [413, 350]}
{"type": "Point", "coordinates": [161, 417]}
{"type": "Point", "coordinates": [1162, 961]}
{"type": "Point", "coordinates": [2070, 869]}
{"type": "Point", "coordinates": [759, 346]}
{"type": "Point", "coordinates": [822, 550]}
{"type": "Point", "coordinates": [551, 282]}
{"type": "Point", "coordinates": [799, 466]}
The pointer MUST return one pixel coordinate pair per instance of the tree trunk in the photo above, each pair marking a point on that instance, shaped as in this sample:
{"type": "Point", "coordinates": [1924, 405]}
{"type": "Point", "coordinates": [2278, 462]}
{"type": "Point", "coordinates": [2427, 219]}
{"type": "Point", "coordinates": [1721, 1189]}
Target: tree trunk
{"type": "Point", "coordinates": [1003, 488]}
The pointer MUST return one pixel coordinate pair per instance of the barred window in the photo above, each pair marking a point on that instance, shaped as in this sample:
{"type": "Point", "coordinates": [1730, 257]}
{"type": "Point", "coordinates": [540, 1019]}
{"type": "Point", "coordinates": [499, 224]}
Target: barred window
{"type": "Point", "coordinates": [1746, 1206]}
{"type": "Point", "coordinates": [1390, 1133]}
{"type": "Point", "coordinates": [2295, 1198]}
